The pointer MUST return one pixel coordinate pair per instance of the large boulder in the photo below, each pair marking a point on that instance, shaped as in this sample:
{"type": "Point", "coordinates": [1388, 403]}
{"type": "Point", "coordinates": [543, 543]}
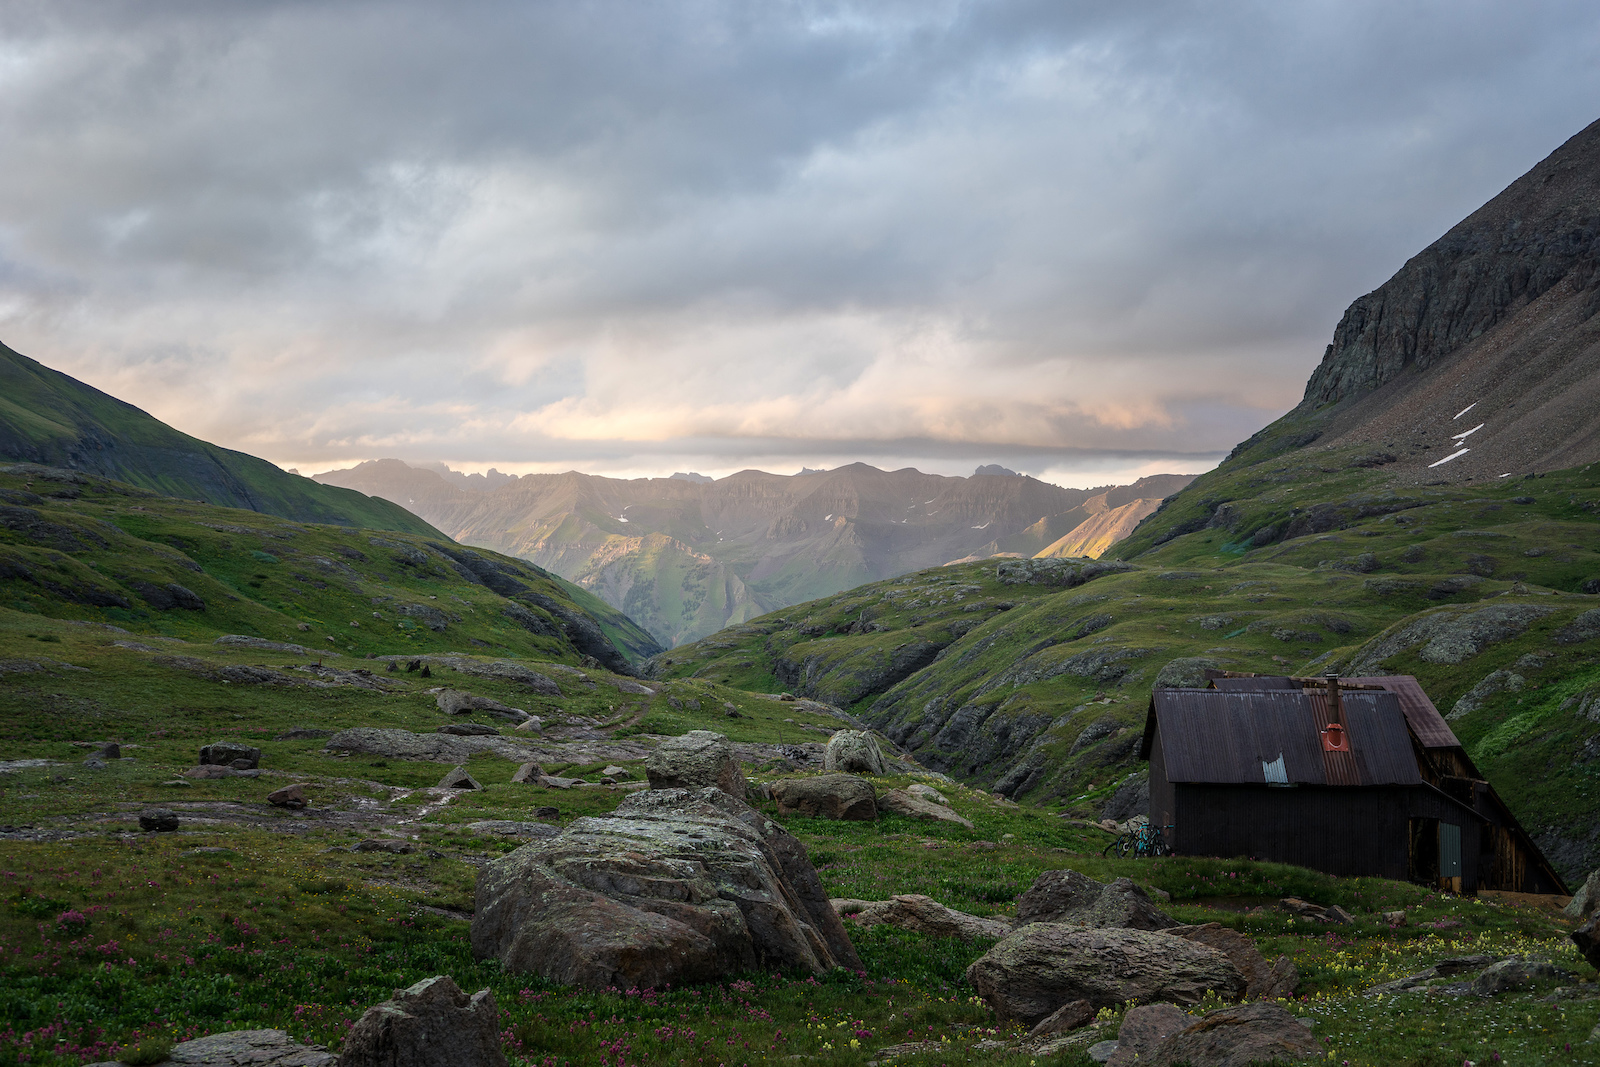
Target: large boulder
{"type": "Point", "coordinates": [1039, 967]}
{"type": "Point", "coordinates": [675, 886]}
{"type": "Point", "coordinates": [1587, 898]}
{"type": "Point", "coordinates": [1230, 1037]}
{"type": "Point", "coordinates": [1587, 938]}
{"type": "Point", "coordinates": [903, 802]}
{"type": "Point", "coordinates": [226, 753]}
{"type": "Point", "coordinates": [1263, 980]}
{"type": "Point", "coordinates": [1143, 1029]}
{"type": "Point", "coordinates": [827, 796]}
{"type": "Point", "coordinates": [457, 702]}
{"type": "Point", "coordinates": [852, 752]}
{"type": "Point", "coordinates": [920, 914]}
{"type": "Point", "coordinates": [696, 760]}
{"type": "Point", "coordinates": [236, 1048]}
{"type": "Point", "coordinates": [430, 1024]}
{"type": "Point", "coordinates": [1065, 896]}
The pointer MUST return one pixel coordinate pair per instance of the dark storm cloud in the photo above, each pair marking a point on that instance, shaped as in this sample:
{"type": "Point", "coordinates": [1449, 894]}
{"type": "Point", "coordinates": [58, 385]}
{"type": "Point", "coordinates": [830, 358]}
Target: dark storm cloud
{"type": "Point", "coordinates": [632, 234]}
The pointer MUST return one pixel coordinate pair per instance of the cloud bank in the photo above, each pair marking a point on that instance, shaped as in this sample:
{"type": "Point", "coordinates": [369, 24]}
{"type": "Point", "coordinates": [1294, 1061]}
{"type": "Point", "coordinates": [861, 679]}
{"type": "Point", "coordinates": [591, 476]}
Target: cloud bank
{"type": "Point", "coordinates": [1084, 240]}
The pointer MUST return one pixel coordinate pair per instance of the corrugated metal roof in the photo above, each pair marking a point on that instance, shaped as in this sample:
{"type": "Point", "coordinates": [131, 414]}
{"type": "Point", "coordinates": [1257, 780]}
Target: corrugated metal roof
{"type": "Point", "coordinates": [1213, 736]}
{"type": "Point", "coordinates": [1260, 683]}
{"type": "Point", "coordinates": [1425, 720]}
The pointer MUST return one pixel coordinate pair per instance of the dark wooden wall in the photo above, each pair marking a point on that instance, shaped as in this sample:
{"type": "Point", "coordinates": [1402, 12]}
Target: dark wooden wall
{"type": "Point", "coordinates": [1346, 832]}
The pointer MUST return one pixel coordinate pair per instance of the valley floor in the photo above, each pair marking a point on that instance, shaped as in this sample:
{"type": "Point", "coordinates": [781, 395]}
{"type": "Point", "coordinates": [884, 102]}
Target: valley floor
{"type": "Point", "coordinates": [251, 915]}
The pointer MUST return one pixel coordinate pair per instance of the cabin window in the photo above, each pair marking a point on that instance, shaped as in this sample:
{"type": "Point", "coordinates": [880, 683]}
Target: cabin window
{"type": "Point", "coordinates": [1275, 773]}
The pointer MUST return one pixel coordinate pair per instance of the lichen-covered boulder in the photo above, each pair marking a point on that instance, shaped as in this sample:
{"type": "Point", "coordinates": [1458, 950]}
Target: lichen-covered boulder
{"type": "Point", "coordinates": [852, 752]}
{"type": "Point", "coordinates": [1065, 896]}
{"type": "Point", "coordinates": [696, 760]}
{"type": "Point", "coordinates": [1039, 967]}
{"type": "Point", "coordinates": [902, 802]}
{"type": "Point", "coordinates": [827, 796]}
{"type": "Point", "coordinates": [675, 886]}
{"type": "Point", "coordinates": [430, 1024]}
{"type": "Point", "coordinates": [920, 914]}
{"type": "Point", "coordinates": [1232, 1037]}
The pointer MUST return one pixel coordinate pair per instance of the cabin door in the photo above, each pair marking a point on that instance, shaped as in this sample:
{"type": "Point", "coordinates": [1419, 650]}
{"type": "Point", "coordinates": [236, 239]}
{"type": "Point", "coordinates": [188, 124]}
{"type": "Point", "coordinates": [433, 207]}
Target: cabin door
{"type": "Point", "coordinates": [1450, 857]}
{"type": "Point", "coordinates": [1422, 852]}
{"type": "Point", "coordinates": [1435, 854]}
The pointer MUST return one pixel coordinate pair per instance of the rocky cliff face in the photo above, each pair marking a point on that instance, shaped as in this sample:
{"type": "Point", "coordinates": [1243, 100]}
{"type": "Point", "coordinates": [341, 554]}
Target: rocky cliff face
{"type": "Point", "coordinates": [1537, 234]}
{"type": "Point", "coordinates": [686, 558]}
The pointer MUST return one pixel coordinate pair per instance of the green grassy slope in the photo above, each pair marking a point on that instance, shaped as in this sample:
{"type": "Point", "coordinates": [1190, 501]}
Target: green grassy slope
{"type": "Point", "coordinates": [254, 916]}
{"type": "Point", "coordinates": [47, 417]}
{"type": "Point", "coordinates": [1040, 690]}
{"type": "Point", "coordinates": [73, 546]}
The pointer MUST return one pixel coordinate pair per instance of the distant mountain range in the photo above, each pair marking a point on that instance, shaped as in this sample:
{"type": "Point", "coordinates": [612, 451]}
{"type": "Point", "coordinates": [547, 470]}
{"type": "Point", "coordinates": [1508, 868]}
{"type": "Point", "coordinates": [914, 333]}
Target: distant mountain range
{"type": "Point", "coordinates": [50, 418]}
{"type": "Point", "coordinates": [685, 556]}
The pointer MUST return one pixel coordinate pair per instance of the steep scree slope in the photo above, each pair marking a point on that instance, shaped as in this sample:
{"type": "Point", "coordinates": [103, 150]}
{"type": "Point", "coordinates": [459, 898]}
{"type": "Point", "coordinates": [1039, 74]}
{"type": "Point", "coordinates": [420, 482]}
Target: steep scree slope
{"type": "Point", "coordinates": [1486, 341]}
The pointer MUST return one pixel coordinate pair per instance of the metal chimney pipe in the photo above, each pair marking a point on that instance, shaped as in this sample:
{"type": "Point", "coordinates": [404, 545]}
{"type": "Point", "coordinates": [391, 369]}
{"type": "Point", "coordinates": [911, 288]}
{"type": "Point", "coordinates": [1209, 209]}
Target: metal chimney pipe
{"type": "Point", "coordinates": [1335, 704]}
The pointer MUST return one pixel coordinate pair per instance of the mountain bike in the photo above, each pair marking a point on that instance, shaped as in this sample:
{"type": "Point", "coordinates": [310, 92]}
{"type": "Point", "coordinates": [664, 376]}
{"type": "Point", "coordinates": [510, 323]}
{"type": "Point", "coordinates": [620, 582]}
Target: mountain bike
{"type": "Point", "coordinates": [1139, 842]}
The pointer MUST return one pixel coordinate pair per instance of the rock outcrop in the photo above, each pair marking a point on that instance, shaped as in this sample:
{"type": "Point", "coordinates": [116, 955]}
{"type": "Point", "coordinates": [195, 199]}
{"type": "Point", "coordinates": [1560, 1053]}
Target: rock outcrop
{"type": "Point", "coordinates": [1041, 966]}
{"type": "Point", "coordinates": [430, 1024]}
{"type": "Point", "coordinates": [245, 1048]}
{"type": "Point", "coordinates": [903, 802]}
{"type": "Point", "coordinates": [434, 747]}
{"type": "Point", "coordinates": [827, 796]}
{"type": "Point", "coordinates": [675, 886]}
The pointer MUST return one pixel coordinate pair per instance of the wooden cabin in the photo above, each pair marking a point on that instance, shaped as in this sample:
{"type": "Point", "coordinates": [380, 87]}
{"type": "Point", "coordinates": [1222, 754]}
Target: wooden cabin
{"type": "Point", "coordinates": [1352, 776]}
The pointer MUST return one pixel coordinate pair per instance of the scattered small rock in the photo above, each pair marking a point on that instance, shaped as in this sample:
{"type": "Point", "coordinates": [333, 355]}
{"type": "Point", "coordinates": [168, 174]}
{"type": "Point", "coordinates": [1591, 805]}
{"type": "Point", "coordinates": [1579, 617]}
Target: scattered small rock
{"type": "Point", "coordinates": [226, 753]}
{"type": "Point", "coordinates": [385, 844]}
{"type": "Point", "coordinates": [290, 796]}
{"type": "Point", "coordinates": [459, 779]}
{"type": "Point", "coordinates": [158, 820]}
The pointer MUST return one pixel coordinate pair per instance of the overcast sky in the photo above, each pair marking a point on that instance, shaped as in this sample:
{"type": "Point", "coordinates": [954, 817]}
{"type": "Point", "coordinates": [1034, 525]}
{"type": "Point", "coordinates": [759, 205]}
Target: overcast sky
{"type": "Point", "coordinates": [1086, 240]}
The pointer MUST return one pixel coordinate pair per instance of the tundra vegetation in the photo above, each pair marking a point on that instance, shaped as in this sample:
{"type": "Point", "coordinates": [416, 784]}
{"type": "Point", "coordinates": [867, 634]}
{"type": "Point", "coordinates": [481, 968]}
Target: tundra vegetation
{"type": "Point", "coordinates": [254, 915]}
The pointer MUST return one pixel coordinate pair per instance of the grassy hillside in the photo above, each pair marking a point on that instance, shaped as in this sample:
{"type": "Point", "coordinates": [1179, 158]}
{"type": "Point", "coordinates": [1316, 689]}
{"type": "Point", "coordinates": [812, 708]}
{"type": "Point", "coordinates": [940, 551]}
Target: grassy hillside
{"type": "Point", "coordinates": [1294, 562]}
{"type": "Point", "coordinates": [73, 546]}
{"type": "Point", "coordinates": [255, 916]}
{"type": "Point", "coordinates": [47, 417]}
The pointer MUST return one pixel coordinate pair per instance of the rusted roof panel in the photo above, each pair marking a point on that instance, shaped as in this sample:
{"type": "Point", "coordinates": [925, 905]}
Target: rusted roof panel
{"type": "Point", "coordinates": [1213, 736]}
{"type": "Point", "coordinates": [1425, 720]}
